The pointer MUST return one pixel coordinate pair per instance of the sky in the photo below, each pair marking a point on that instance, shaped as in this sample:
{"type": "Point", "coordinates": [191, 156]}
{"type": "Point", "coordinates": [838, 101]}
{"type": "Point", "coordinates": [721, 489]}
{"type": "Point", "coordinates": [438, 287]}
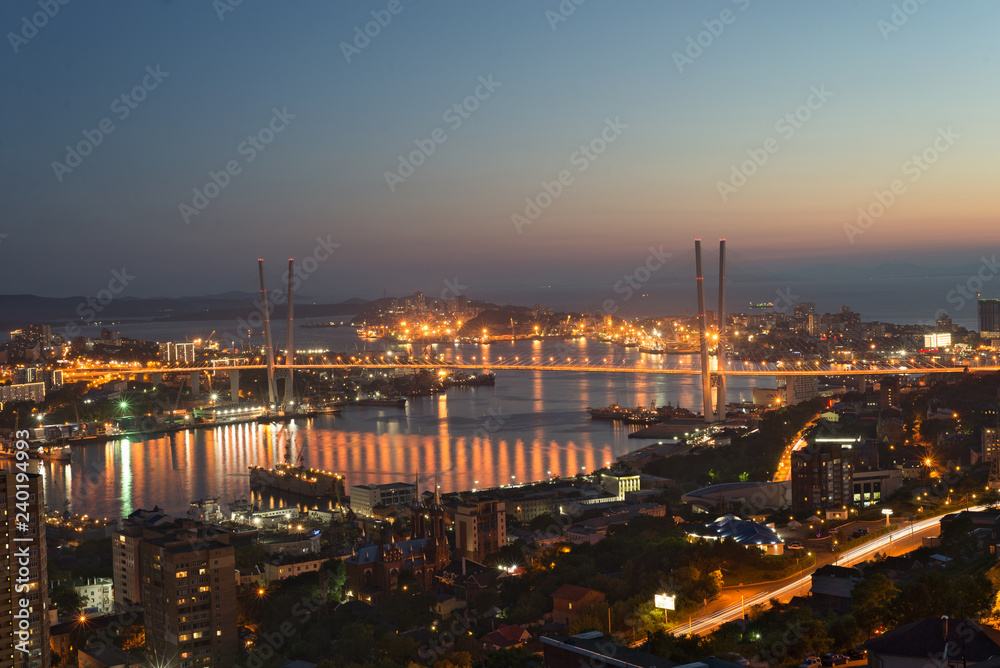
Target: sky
{"type": "Point", "coordinates": [585, 135]}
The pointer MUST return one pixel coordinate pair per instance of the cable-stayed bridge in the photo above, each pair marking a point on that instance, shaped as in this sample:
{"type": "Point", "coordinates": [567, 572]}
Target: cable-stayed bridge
{"type": "Point", "coordinates": [716, 352]}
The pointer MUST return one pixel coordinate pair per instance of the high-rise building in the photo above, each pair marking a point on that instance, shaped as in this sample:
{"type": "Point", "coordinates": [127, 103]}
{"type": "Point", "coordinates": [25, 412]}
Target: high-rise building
{"type": "Point", "coordinates": [889, 393]}
{"type": "Point", "coordinates": [798, 388]}
{"type": "Point", "coordinates": [24, 592]}
{"type": "Point", "coordinates": [480, 528]}
{"type": "Point", "coordinates": [177, 352]}
{"type": "Point", "coordinates": [989, 318]}
{"type": "Point", "coordinates": [27, 374]}
{"type": "Point", "coordinates": [821, 476]}
{"type": "Point", "coordinates": [138, 526]}
{"type": "Point", "coordinates": [183, 576]}
{"type": "Point", "coordinates": [803, 309]}
{"type": "Point", "coordinates": [189, 596]}
{"type": "Point", "coordinates": [937, 340]}
{"type": "Point", "coordinates": [991, 443]}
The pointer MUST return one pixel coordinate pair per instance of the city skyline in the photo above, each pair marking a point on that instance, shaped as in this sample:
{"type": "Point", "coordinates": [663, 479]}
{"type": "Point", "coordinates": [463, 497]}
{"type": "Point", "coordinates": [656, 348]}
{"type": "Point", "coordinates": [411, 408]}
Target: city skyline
{"type": "Point", "coordinates": [303, 122]}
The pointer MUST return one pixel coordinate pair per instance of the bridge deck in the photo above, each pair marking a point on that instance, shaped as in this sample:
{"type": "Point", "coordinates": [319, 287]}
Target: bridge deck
{"type": "Point", "coordinates": [778, 371]}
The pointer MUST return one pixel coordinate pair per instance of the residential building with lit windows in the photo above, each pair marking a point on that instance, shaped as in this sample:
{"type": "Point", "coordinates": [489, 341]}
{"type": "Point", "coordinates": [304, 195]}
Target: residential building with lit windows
{"type": "Point", "coordinates": [480, 528]}
{"type": "Point", "coordinates": [991, 444]}
{"type": "Point", "coordinates": [29, 537]}
{"type": "Point", "coordinates": [821, 476]}
{"type": "Point", "coordinates": [189, 597]}
{"type": "Point", "coordinates": [97, 594]}
{"type": "Point", "coordinates": [182, 574]}
{"type": "Point", "coordinates": [989, 318]}
{"type": "Point", "coordinates": [140, 525]}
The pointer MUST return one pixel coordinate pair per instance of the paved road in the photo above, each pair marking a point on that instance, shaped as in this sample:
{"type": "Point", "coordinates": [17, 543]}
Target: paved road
{"type": "Point", "coordinates": [732, 601]}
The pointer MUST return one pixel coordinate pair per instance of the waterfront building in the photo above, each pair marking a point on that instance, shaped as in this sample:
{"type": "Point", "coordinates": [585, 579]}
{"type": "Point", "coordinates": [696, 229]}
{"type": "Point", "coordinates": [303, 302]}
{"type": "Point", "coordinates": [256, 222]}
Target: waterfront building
{"type": "Point", "coordinates": [365, 498]}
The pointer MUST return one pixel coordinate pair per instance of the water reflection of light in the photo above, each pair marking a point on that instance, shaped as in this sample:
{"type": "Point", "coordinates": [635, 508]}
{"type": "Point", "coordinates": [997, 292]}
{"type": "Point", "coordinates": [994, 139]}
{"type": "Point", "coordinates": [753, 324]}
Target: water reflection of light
{"type": "Point", "coordinates": [543, 428]}
{"type": "Point", "coordinates": [125, 450]}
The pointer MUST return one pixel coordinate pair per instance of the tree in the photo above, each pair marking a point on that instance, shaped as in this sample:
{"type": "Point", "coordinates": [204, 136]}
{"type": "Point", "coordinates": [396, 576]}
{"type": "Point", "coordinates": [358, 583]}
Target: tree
{"type": "Point", "coordinates": [509, 658]}
{"type": "Point", "coordinates": [873, 602]}
{"type": "Point", "coordinates": [248, 556]}
{"type": "Point", "coordinates": [844, 631]}
{"type": "Point", "coordinates": [65, 597]}
{"type": "Point", "coordinates": [957, 540]}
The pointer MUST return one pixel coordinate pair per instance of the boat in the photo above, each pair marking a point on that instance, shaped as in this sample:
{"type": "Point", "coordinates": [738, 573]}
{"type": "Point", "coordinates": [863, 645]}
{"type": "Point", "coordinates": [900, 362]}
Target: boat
{"type": "Point", "coordinates": [487, 378]}
{"type": "Point", "coordinates": [271, 418]}
{"type": "Point", "coordinates": [612, 412]}
{"type": "Point", "coordinates": [49, 453]}
{"type": "Point", "coordinates": [387, 402]}
{"type": "Point", "coordinates": [643, 416]}
{"type": "Point", "coordinates": [53, 453]}
{"type": "Point", "coordinates": [653, 350]}
{"type": "Point", "coordinates": [297, 480]}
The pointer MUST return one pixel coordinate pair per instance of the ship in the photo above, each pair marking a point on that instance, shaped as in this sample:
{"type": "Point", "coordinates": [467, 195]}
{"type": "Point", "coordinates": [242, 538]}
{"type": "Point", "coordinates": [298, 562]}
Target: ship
{"type": "Point", "coordinates": [297, 480]}
{"type": "Point", "coordinates": [487, 378]}
{"type": "Point", "coordinates": [49, 453]}
{"type": "Point", "coordinates": [53, 453]}
{"type": "Point", "coordinates": [271, 418]}
{"type": "Point", "coordinates": [612, 412]}
{"type": "Point", "coordinates": [386, 402]}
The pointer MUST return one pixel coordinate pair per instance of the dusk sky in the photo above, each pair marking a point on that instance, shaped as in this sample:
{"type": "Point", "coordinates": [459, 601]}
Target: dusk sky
{"type": "Point", "coordinates": [673, 128]}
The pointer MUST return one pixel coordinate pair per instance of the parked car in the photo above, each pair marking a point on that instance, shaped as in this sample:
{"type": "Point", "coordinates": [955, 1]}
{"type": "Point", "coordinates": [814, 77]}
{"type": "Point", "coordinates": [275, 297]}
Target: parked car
{"type": "Point", "coordinates": [810, 662]}
{"type": "Point", "coordinates": [858, 654]}
{"type": "Point", "coordinates": [833, 659]}
{"type": "Point", "coordinates": [794, 546]}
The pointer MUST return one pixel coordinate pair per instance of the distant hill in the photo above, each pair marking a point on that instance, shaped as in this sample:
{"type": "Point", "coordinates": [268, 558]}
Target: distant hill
{"type": "Point", "coordinates": [19, 310]}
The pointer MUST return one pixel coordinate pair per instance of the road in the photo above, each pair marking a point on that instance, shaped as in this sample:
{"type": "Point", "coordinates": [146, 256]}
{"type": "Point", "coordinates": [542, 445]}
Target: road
{"type": "Point", "coordinates": [732, 601]}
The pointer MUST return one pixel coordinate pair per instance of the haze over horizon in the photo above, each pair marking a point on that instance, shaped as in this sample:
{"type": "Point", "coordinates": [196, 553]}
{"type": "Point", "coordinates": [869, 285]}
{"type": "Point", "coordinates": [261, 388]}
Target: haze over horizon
{"type": "Point", "coordinates": [676, 119]}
